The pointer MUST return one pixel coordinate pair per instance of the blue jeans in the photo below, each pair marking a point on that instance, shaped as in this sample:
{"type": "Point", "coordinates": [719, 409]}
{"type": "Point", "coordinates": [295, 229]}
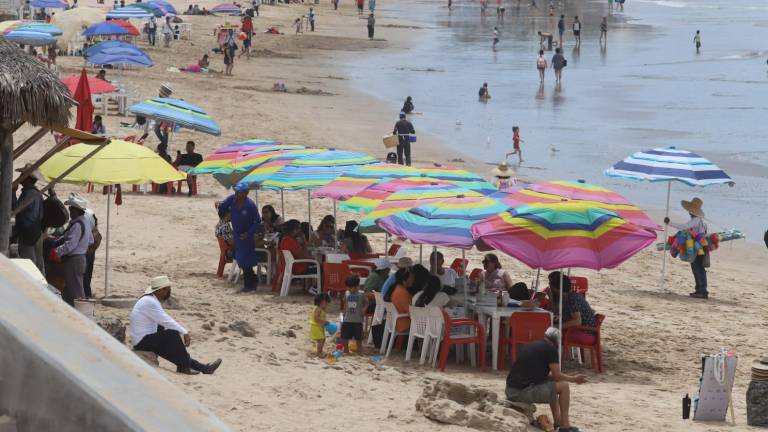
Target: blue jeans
{"type": "Point", "coordinates": [699, 274]}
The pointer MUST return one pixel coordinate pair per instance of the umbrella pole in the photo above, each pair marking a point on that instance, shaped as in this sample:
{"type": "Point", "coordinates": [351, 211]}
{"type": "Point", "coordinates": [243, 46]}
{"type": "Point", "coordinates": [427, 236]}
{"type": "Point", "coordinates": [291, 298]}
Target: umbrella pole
{"type": "Point", "coordinates": [335, 229]}
{"type": "Point", "coordinates": [535, 281]}
{"type": "Point", "coordinates": [433, 264]}
{"type": "Point", "coordinates": [309, 208]}
{"type": "Point", "coordinates": [560, 321]}
{"type": "Point", "coordinates": [386, 244]}
{"type": "Point", "coordinates": [466, 282]}
{"type": "Point", "coordinates": [106, 253]}
{"type": "Point", "coordinates": [282, 204]}
{"type": "Point", "coordinates": [256, 195]}
{"type": "Point", "coordinates": [421, 254]}
{"type": "Point", "coordinates": [664, 240]}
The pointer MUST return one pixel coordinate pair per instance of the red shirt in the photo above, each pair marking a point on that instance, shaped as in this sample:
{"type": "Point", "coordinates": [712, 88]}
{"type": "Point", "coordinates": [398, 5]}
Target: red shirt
{"type": "Point", "coordinates": [290, 244]}
{"type": "Point", "coordinates": [247, 26]}
{"type": "Point", "coordinates": [516, 140]}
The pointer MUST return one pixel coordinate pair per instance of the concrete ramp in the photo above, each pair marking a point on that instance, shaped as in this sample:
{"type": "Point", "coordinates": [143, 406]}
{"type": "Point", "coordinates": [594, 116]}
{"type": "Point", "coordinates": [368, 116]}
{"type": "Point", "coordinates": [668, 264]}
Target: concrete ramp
{"type": "Point", "coordinates": [60, 372]}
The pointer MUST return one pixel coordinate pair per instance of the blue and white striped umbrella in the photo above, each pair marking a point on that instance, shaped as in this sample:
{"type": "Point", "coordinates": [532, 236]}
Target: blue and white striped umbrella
{"type": "Point", "coordinates": [178, 112]}
{"type": "Point", "coordinates": [32, 38]}
{"type": "Point", "coordinates": [669, 164]}
{"type": "Point", "coordinates": [128, 13]}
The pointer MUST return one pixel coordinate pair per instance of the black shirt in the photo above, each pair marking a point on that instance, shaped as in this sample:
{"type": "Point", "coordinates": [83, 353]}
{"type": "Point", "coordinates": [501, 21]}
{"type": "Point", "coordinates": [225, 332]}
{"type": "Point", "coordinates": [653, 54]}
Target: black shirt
{"type": "Point", "coordinates": [482, 92]}
{"type": "Point", "coordinates": [404, 127]}
{"type": "Point", "coordinates": [190, 159]}
{"type": "Point", "coordinates": [532, 364]}
{"type": "Point", "coordinates": [407, 107]}
{"type": "Point", "coordinates": [558, 61]}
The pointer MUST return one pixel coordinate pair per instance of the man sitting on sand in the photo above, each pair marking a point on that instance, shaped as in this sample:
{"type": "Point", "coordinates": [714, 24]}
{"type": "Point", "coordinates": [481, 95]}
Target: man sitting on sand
{"type": "Point", "coordinates": [535, 377]}
{"type": "Point", "coordinates": [152, 329]}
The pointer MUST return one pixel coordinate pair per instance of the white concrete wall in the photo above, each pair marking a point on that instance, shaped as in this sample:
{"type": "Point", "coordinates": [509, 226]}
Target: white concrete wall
{"type": "Point", "coordinates": [59, 371]}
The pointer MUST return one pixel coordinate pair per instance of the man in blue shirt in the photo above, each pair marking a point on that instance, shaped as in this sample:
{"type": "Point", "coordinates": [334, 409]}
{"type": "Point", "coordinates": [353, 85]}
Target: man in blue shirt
{"type": "Point", "coordinates": [245, 222]}
{"type": "Point", "coordinates": [402, 263]}
{"type": "Point", "coordinates": [29, 220]}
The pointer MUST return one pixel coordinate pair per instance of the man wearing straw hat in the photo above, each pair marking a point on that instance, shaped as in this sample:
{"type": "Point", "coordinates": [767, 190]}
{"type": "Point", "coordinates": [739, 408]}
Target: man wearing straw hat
{"type": "Point", "coordinates": [696, 223]}
{"type": "Point", "coordinates": [152, 329]}
{"type": "Point", "coordinates": [29, 220]}
{"type": "Point", "coordinates": [73, 246]}
{"type": "Point", "coordinates": [504, 176]}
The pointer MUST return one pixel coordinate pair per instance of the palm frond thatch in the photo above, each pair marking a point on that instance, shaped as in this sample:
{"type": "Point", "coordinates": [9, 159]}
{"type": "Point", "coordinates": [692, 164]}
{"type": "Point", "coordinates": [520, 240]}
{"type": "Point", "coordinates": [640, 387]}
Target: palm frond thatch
{"type": "Point", "coordinates": [29, 91]}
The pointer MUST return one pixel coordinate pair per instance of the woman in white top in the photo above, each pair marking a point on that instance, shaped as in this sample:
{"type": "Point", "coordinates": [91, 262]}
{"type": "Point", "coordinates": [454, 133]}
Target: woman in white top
{"type": "Point", "coordinates": [696, 223]}
{"type": "Point", "coordinates": [432, 294]}
{"type": "Point", "coordinates": [494, 277]}
{"type": "Point", "coordinates": [446, 275]}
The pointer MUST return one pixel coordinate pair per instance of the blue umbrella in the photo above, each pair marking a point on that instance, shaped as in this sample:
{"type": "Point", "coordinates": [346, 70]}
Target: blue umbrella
{"type": "Point", "coordinates": [178, 112]}
{"type": "Point", "coordinates": [49, 4]}
{"type": "Point", "coordinates": [128, 12]}
{"type": "Point", "coordinates": [165, 5]}
{"type": "Point", "coordinates": [118, 54]}
{"type": "Point", "coordinates": [154, 8]}
{"type": "Point", "coordinates": [33, 38]}
{"type": "Point", "coordinates": [105, 29]}
{"type": "Point", "coordinates": [41, 28]}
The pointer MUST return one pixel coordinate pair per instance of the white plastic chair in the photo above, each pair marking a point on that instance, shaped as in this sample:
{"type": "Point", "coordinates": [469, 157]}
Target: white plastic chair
{"type": "Point", "coordinates": [378, 314]}
{"type": "Point", "coordinates": [288, 272]}
{"type": "Point", "coordinates": [390, 328]}
{"type": "Point", "coordinates": [434, 332]}
{"type": "Point", "coordinates": [234, 272]}
{"type": "Point", "coordinates": [266, 265]}
{"type": "Point", "coordinates": [419, 328]}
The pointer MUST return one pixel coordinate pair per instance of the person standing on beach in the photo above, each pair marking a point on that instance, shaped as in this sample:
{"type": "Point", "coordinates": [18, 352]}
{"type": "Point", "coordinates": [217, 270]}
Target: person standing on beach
{"type": "Point", "coordinates": [516, 144]}
{"type": "Point", "coordinates": [72, 247]}
{"type": "Point", "coordinates": [311, 19]}
{"type": "Point", "coordinates": [245, 222]}
{"type": "Point", "coordinates": [372, 6]}
{"type": "Point", "coordinates": [167, 32]}
{"type": "Point", "coordinates": [483, 6]}
{"type": "Point", "coordinates": [577, 30]}
{"type": "Point", "coordinates": [403, 129]}
{"type": "Point", "coordinates": [230, 47]}
{"type": "Point", "coordinates": [152, 30]}
{"type": "Point", "coordinates": [371, 23]}
{"type": "Point", "coordinates": [256, 5]}
{"type": "Point", "coordinates": [360, 4]}
{"type": "Point", "coordinates": [620, 6]}
{"type": "Point", "coordinates": [541, 65]}
{"type": "Point", "coordinates": [558, 63]}
{"type": "Point", "coordinates": [408, 105]}
{"type": "Point", "coordinates": [561, 28]}
{"type": "Point", "coordinates": [610, 4]}
{"type": "Point", "coordinates": [29, 220]}
{"type": "Point", "coordinates": [495, 37]}
{"type": "Point", "coordinates": [697, 225]}
{"type": "Point", "coordinates": [604, 30]}
{"type": "Point", "coordinates": [697, 40]}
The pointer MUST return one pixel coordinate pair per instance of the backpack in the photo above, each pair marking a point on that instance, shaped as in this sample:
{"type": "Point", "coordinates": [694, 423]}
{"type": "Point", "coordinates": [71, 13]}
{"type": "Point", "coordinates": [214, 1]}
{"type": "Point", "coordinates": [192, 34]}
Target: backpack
{"type": "Point", "coordinates": [541, 63]}
{"type": "Point", "coordinates": [565, 62]}
{"type": "Point", "coordinates": [55, 214]}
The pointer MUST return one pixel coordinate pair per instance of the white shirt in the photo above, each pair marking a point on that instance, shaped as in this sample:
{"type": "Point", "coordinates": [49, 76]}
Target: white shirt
{"type": "Point", "coordinates": [696, 223]}
{"type": "Point", "coordinates": [448, 278]}
{"type": "Point", "coordinates": [146, 315]}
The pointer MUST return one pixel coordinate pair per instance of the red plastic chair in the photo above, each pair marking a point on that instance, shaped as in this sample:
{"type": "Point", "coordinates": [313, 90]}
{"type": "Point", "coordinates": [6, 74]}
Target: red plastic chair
{"type": "Point", "coordinates": [334, 279]}
{"type": "Point", "coordinates": [223, 259]}
{"type": "Point", "coordinates": [393, 249]}
{"type": "Point", "coordinates": [523, 328]}
{"type": "Point", "coordinates": [194, 185]}
{"type": "Point", "coordinates": [477, 338]}
{"type": "Point", "coordinates": [476, 274]}
{"type": "Point", "coordinates": [363, 256]}
{"type": "Point", "coordinates": [580, 285]}
{"type": "Point", "coordinates": [596, 349]}
{"type": "Point", "coordinates": [361, 268]}
{"type": "Point", "coordinates": [459, 266]}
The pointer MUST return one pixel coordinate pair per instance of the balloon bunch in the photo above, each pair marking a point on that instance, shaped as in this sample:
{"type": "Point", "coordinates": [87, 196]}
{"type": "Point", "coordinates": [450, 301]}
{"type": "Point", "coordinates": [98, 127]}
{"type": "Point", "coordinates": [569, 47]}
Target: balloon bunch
{"type": "Point", "coordinates": [688, 244]}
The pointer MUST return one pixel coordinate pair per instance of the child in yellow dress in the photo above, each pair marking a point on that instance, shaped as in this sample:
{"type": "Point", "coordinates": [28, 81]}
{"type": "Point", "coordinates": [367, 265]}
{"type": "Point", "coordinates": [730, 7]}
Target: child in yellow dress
{"type": "Point", "coordinates": [317, 322]}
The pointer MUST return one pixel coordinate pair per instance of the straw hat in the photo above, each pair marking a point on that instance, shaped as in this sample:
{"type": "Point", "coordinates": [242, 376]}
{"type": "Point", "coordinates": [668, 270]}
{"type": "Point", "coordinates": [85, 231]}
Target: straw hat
{"type": "Point", "coordinates": [75, 200]}
{"type": "Point", "coordinates": [503, 170]}
{"type": "Point", "coordinates": [761, 364]}
{"type": "Point", "coordinates": [404, 262]}
{"type": "Point", "coordinates": [157, 283]}
{"type": "Point", "coordinates": [35, 173]}
{"type": "Point", "coordinates": [693, 206]}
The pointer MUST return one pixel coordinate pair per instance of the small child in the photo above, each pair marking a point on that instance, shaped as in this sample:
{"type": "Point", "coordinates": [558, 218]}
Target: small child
{"type": "Point", "coordinates": [697, 40]}
{"type": "Point", "coordinates": [495, 37]}
{"type": "Point", "coordinates": [355, 305]}
{"type": "Point", "coordinates": [317, 322]}
{"type": "Point", "coordinates": [516, 144]}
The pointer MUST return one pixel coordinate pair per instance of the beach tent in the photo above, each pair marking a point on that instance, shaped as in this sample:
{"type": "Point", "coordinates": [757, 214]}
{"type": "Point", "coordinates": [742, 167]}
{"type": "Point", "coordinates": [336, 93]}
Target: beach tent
{"type": "Point", "coordinates": [669, 165]}
{"type": "Point", "coordinates": [119, 162]}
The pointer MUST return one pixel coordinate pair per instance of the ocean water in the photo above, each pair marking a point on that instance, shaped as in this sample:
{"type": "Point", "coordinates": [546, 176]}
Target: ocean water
{"type": "Point", "coordinates": [645, 88]}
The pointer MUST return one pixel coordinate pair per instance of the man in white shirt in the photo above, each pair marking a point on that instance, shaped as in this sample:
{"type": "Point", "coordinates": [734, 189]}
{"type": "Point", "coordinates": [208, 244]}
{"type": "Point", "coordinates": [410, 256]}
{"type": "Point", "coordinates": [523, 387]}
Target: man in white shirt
{"type": "Point", "coordinates": [696, 223]}
{"type": "Point", "coordinates": [152, 329]}
{"type": "Point", "coordinates": [72, 247]}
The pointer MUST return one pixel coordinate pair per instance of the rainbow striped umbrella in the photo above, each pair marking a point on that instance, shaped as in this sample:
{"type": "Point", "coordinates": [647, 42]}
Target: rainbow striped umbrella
{"type": "Point", "coordinates": [563, 235]}
{"type": "Point", "coordinates": [219, 159]}
{"type": "Point", "coordinates": [254, 167]}
{"type": "Point", "coordinates": [406, 198]}
{"type": "Point", "coordinates": [310, 172]}
{"type": "Point", "coordinates": [353, 182]}
{"type": "Point", "coordinates": [597, 196]}
{"type": "Point", "coordinates": [446, 222]}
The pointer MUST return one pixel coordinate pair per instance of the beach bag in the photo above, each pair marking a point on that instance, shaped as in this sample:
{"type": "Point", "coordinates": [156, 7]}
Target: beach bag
{"type": "Point", "coordinates": [390, 141]}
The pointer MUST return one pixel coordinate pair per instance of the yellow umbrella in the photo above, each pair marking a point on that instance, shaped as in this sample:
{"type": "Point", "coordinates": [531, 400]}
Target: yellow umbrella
{"type": "Point", "coordinates": [5, 25]}
{"type": "Point", "coordinates": [119, 162]}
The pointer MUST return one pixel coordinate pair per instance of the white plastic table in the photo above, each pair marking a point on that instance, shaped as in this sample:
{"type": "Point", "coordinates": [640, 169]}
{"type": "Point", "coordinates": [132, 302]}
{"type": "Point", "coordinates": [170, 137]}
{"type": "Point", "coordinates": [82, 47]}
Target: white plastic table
{"type": "Point", "coordinates": [496, 314]}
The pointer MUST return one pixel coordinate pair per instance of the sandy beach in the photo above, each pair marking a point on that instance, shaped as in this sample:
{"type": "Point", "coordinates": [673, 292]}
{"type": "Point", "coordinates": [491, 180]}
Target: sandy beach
{"type": "Point", "coordinates": [270, 381]}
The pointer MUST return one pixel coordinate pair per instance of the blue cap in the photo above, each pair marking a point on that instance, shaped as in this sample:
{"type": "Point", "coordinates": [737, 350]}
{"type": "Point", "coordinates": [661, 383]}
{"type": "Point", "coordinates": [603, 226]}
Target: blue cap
{"type": "Point", "coordinates": [241, 187]}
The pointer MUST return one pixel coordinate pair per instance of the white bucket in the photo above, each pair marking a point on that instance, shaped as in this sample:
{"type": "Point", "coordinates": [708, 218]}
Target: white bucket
{"type": "Point", "coordinates": [86, 307]}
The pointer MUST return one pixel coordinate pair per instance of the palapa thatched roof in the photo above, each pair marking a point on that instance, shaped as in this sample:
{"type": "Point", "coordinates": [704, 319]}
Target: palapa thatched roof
{"type": "Point", "coordinates": [29, 91]}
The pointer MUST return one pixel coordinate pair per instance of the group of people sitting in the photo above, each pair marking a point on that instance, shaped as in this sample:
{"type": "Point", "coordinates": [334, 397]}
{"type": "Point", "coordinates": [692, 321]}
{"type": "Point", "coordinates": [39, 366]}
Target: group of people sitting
{"type": "Point", "coordinates": [196, 10]}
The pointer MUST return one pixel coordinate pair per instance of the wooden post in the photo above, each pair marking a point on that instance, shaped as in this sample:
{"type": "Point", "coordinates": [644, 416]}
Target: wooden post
{"type": "Point", "coordinates": [6, 180]}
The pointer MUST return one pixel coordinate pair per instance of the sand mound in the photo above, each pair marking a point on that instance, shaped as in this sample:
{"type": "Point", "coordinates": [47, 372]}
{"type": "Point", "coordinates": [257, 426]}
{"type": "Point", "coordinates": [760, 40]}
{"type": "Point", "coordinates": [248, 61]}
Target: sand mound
{"type": "Point", "coordinates": [454, 403]}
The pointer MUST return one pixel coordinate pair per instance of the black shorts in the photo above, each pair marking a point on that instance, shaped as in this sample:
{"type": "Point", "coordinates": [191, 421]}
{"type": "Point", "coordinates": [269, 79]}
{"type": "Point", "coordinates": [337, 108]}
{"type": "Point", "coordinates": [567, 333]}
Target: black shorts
{"type": "Point", "coordinates": [576, 32]}
{"type": "Point", "coordinates": [352, 331]}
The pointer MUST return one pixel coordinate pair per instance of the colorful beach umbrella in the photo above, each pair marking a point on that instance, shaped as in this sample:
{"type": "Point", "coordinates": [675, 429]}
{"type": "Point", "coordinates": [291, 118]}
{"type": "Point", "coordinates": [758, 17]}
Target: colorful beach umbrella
{"type": "Point", "coordinates": [130, 28]}
{"type": "Point", "coordinates": [669, 165]}
{"type": "Point", "coordinates": [28, 37]}
{"type": "Point", "coordinates": [446, 222]}
{"type": "Point", "coordinates": [129, 12]}
{"type": "Point", "coordinates": [151, 7]}
{"type": "Point", "coordinates": [226, 9]}
{"type": "Point", "coordinates": [169, 8]}
{"type": "Point", "coordinates": [117, 53]}
{"type": "Point", "coordinates": [310, 172]}
{"type": "Point", "coordinates": [563, 235]}
{"type": "Point", "coordinates": [41, 27]}
{"type": "Point", "coordinates": [104, 29]}
{"type": "Point", "coordinates": [256, 166]}
{"type": "Point", "coordinates": [177, 112]}
{"type": "Point", "coordinates": [223, 156]}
